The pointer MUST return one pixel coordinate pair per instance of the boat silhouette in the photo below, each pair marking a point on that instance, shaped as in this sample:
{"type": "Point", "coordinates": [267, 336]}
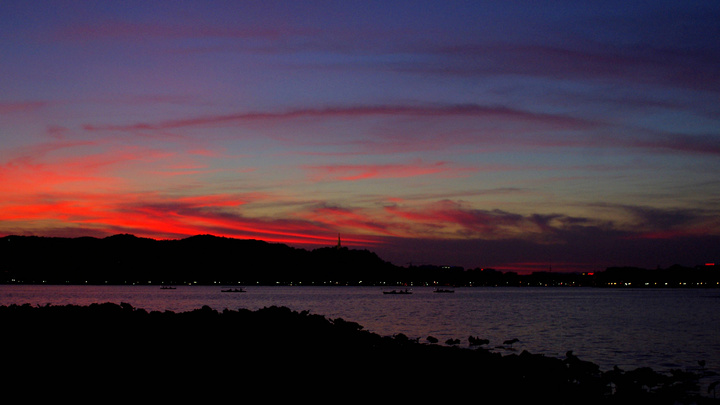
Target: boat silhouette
{"type": "Point", "coordinates": [406, 291]}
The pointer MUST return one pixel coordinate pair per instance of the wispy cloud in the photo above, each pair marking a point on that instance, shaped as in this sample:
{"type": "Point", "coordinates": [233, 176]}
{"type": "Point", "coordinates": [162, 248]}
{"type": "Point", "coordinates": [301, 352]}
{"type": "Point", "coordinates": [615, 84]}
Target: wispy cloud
{"type": "Point", "coordinates": [484, 126]}
{"type": "Point", "coordinates": [453, 219]}
{"type": "Point", "coordinates": [21, 106]}
{"type": "Point", "coordinates": [646, 222]}
{"type": "Point", "coordinates": [385, 171]}
{"type": "Point", "coordinates": [457, 110]}
{"type": "Point", "coordinates": [352, 220]}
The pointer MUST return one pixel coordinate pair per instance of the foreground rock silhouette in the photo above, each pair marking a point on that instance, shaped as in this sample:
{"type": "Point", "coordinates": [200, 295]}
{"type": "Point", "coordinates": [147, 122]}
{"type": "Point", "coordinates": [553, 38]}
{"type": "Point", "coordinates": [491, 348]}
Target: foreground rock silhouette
{"type": "Point", "coordinates": [296, 354]}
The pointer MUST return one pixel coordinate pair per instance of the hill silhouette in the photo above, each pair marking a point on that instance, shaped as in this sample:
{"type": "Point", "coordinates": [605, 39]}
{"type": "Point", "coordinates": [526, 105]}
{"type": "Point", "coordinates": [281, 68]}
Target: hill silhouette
{"type": "Point", "coordinates": [201, 259]}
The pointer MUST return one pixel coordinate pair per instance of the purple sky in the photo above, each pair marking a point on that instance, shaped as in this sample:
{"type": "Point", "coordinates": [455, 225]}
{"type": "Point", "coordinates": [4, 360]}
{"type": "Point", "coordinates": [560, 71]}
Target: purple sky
{"type": "Point", "coordinates": [517, 135]}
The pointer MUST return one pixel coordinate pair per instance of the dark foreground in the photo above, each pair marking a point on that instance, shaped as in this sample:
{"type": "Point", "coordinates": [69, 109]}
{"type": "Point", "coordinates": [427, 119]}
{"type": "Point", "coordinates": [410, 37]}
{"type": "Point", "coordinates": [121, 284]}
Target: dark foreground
{"type": "Point", "coordinates": [117, 351]}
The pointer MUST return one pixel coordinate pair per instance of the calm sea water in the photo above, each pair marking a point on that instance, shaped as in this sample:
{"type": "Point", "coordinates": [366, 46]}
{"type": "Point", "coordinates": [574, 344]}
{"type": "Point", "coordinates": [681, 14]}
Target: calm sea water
{"type": "Point", "coordinates": [630, 328]}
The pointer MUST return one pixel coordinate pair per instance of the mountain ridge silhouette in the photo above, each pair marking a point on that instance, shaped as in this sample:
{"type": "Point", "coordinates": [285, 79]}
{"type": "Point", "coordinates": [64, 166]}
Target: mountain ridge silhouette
{"type": "Point", "coordinates": [201, 259]}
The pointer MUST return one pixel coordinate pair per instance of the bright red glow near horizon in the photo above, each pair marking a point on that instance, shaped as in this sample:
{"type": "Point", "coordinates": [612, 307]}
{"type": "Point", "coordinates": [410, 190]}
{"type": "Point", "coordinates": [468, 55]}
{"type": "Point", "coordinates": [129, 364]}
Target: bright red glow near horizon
{"type": "Point", "coordinates": [457, 140]}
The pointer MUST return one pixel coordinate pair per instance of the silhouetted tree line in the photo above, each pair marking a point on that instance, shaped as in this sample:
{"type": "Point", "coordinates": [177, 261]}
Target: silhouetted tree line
{"type": "Point", "coordinates": [206, 259]}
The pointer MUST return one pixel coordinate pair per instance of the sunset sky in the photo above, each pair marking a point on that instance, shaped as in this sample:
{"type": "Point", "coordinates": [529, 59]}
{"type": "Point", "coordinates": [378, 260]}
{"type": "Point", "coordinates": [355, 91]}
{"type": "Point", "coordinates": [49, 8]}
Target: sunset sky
{"type": "Point", "coordinates": [518, 135]}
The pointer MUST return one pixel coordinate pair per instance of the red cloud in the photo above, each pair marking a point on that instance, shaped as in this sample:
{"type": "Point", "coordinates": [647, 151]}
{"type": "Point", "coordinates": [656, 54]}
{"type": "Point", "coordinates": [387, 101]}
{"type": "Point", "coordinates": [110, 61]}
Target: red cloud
{"type": "Point", "coordinates": [66, 166]}
{"type": "Point", "coordinates": [156, 216]}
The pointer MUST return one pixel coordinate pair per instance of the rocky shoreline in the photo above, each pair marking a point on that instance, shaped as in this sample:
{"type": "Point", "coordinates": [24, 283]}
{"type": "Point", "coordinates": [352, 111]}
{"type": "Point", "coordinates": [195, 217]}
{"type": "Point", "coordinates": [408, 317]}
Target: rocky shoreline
{"type": "Point", "coordinates": [291, 350]}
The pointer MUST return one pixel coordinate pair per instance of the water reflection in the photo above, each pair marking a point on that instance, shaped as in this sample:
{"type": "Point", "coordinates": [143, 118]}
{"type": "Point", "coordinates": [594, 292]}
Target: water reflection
{"type": "Point", "coordinates": [628, 328]}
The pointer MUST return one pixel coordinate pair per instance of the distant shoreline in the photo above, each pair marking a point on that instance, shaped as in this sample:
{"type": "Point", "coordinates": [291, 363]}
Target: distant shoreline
{"type": "Point", "coordinates": [210, 260]}
{"type": "Point", "coordinates": [397, 285]}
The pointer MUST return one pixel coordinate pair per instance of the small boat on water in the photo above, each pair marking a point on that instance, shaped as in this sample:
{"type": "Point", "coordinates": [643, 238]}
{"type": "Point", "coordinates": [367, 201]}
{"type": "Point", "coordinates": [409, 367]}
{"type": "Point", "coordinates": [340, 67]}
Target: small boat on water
{"type": "Point", "coordinates": [443, 290]}
{"type": "Point", "coordinates": [233, 290]}
{"type": "Point", "coordinates": [406, 291]}
{"type": "Point", "coordinates": [167, 287]}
